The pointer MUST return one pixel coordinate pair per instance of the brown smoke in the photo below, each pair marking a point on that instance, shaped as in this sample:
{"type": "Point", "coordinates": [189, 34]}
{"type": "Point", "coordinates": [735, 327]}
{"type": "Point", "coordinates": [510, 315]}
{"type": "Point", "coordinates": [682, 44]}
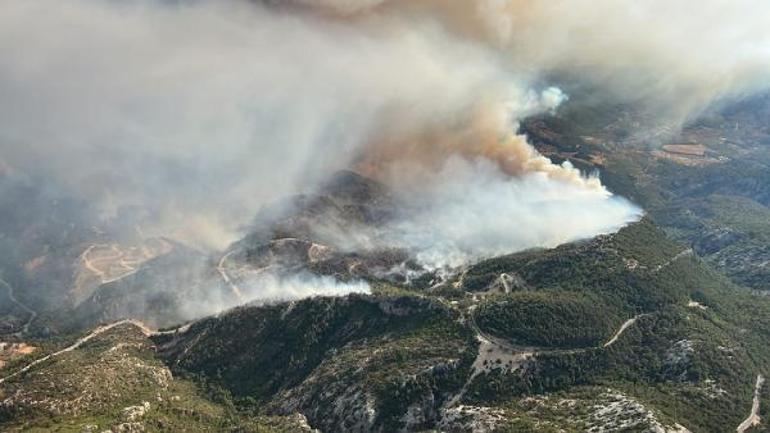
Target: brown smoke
{"type": "Point", "coordinates": [654, 54]}
{"type": "Point", "coordinates": [486, 131]}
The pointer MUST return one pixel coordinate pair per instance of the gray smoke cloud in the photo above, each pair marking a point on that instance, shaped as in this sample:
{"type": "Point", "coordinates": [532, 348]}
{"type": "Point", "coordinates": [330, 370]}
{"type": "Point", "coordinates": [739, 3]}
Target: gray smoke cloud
{"type": "Point", "coordinates": [674, 57]}
{"type": "Point", "coordinates": [202, 111]}
{"type": "Point", "coordinates": [199, 112]}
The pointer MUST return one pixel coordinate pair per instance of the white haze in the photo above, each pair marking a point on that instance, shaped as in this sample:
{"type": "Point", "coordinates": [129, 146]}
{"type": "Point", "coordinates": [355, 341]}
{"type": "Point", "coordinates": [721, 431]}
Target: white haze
{"type": "Point", "coordinates": [267, 288]}
{"type": "Point", "coordinates": [674, 58]}
{"type": "Point", "coordinates": [202, 111]}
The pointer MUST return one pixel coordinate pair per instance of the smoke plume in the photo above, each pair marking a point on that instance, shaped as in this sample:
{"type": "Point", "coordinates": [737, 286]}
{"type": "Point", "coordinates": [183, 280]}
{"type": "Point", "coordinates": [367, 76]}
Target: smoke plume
{"type": "Point", "coordinates": [262, 289]}
{"type": "Point", "coordinates": [199, 112]}
{"type": "Point", "coordinates": [472, 210]}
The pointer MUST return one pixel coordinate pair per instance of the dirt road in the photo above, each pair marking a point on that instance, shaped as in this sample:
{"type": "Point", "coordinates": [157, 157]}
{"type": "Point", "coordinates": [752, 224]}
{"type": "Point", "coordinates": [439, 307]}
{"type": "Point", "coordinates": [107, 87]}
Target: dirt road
{"type": "Point", "coordinates": [687, 252]}
{"type": "Point", "coordinates": [753, 419]}
{"type": "Point", "coordinates": [79, 342]}
{"type": "Point", "coordinates": [223, 272]}
{"type": "Point", "coordinates": [622, 329]}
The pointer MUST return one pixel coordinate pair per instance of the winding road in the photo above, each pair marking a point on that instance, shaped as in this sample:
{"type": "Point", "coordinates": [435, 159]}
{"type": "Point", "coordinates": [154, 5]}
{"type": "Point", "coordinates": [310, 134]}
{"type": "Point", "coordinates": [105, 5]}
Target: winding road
{"type": "Point", "coordinates": [493, 349]}
{"type": "Point", "coordinates": [32, 313]}
{"type": "Point", "coordinates": [221, 269]}
{"type": "Point", "coordinates": [491, 346]}
{"type": "Point", "coordinates": [94, 333]}
{"type": "Point", "coordinates": [535, 351]}
{"type": "Point", "coordinates": [103, 278]}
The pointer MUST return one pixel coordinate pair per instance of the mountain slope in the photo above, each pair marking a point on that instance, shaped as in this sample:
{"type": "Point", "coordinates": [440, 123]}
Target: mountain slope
{"type": "Point", "coordinates": [670, 344]}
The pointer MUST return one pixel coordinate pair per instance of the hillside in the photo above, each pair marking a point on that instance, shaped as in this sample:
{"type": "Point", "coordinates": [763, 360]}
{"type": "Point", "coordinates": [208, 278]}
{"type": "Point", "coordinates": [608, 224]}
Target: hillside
{"type": "Point", "coordinates": [668, 341]}
{"type": "Point", "coordinates": [113, 382]}
{"type": "Point", "coordinates": [717, 203]}
{"type": "Point", "coordinates": [626, 329]}
{"type": "Point", "coordinates": [163, 291]}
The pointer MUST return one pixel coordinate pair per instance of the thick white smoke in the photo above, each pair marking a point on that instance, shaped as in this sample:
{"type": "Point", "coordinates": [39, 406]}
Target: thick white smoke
{"type": "Point", "coordinates": [472, 210]}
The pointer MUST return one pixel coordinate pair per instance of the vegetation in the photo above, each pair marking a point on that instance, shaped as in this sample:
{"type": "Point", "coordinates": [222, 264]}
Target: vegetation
{"type": "Point", "coordinates": [91, 387]}
{"type": "Point", "coordinates": [548, 319]}
{"type": "Point", "coordinates": [629, 271]}
{"type": "Point", "coordinates": [395, 351]}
